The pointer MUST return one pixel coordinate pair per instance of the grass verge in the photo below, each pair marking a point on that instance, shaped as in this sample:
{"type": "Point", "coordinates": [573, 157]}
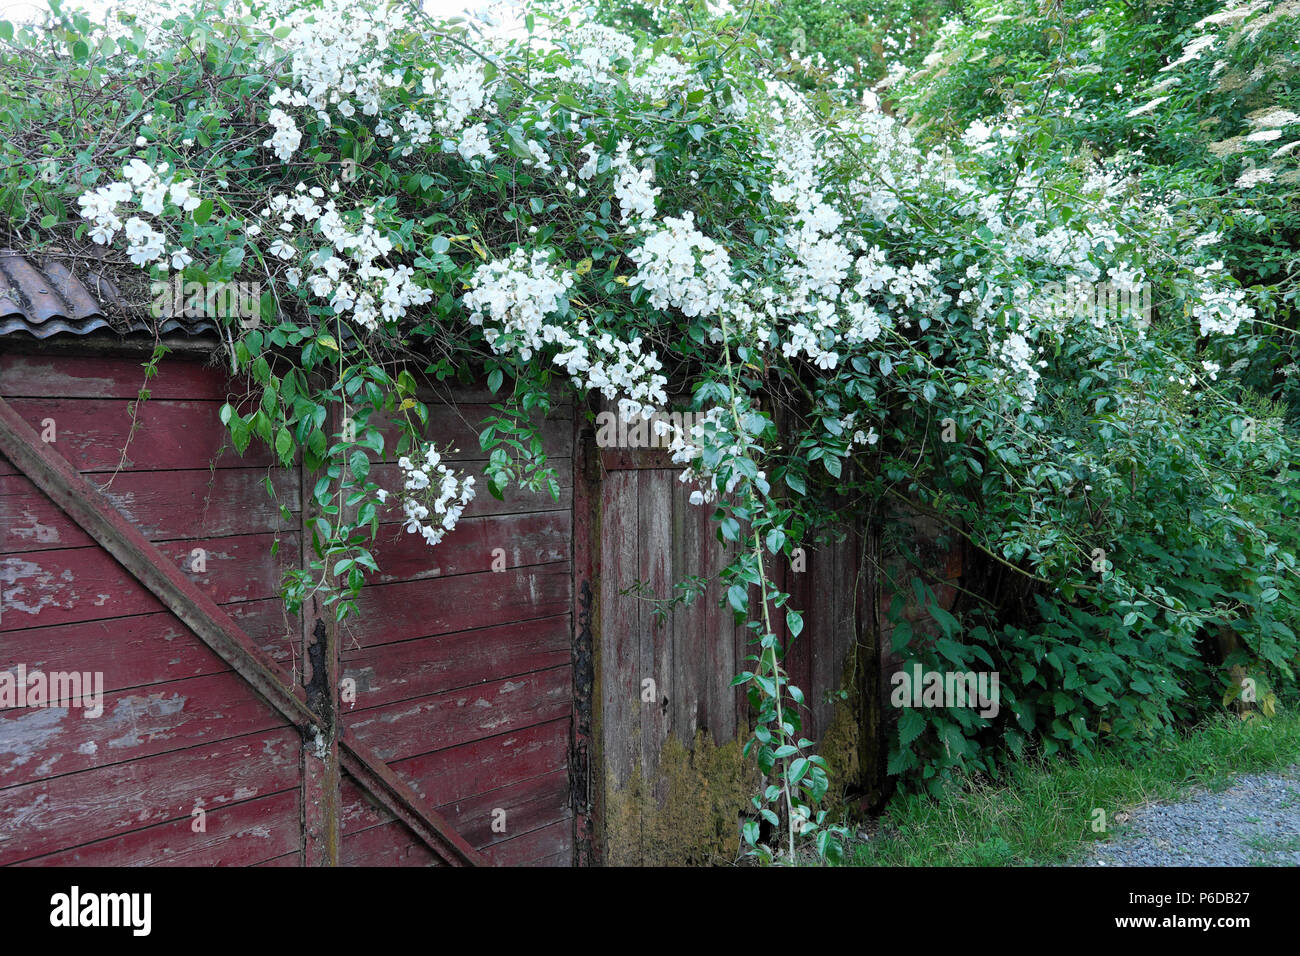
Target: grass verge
{"type": "Point", "coordinates": [1042, 812]}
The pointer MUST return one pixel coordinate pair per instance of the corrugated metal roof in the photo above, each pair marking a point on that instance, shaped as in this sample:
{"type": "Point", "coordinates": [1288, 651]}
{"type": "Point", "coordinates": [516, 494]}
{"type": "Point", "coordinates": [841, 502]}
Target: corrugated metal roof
{"type": "Point", "coordinates": [53, 295]}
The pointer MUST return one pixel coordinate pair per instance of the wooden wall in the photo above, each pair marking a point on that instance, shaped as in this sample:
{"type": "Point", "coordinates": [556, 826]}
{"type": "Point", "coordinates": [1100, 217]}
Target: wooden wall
{"type": "Point", "coordinates": [475, 684]}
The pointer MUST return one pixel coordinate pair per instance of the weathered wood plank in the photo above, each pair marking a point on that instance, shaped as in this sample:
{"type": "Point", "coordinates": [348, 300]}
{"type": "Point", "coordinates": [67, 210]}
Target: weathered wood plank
{"type": "Point", "coordinates": [491, 544]}
{"type": "Point", "coordinates": [273, 630]}
{"type": "Point", "coordinates": [402, 611]}
{"type": "Point", "coordinates": [38, 742]}
{"type": "Point", "coordinates": [171, 434]}
{"type": "Point", "coordinates": [392, 844]}
{"type": "Point", "coordinates": [128, 651]}
{"type": "Point", "coordinates": [442, 393]}
{"type": "Point", "coordinates": [655, 526]}
{"type": "Point", "coordinates": [289, 859]}
{"type": "Point", "coordinates": [180, 504]}
{"type": "Point", "coordinates": [798, 652]}
{"type": "Point", "coordinates": [70, 585]}
{"type": "Point", "coordinates": [386, 673]}
{"type": "Point", "coordinates": [55, 476]}
{"type": "Point", "coordinates": [455, 430]}
{"type": "Point", "coordinates": [321, 772]}
{"type": "Point", "coordinates": [400, 799]}
{"type": "Point", "coordinates": [61, 812]}
{"type": "Point", "coordinates": [235, 569]}
{"type": "Point", "coordinates": [620, 663]}
{"type": "Point", "coordinates": [71, 376]}
{"type": "Point", "coordinates": [731, 641]}
{"type": "Point", "coordinates": [457, 773]}
{"type": "Point", "coordinates": [405, 729]}
{"type": "Point", "coordinates": [488, 819]}
{"type": "Point", "coordinates": [246, 833]}
{"type": "Point", "coordinates": [692, 650]}
{"type": "Point", "coordinates": [552, 845]}
{"type": "Point", "coordinates": [845, 634]}
{"type": "Point", "coordinates": [638, 459]}
{"type": "Point", "coordinates": [584, 755]}
{"type": "Point", "coordinates": [823, 611]}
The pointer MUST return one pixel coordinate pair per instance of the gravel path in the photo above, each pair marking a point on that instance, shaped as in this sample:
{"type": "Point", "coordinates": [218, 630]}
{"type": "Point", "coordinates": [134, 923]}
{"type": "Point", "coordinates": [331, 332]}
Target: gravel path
{"type": "Point", "coordinates": [1255, 822]}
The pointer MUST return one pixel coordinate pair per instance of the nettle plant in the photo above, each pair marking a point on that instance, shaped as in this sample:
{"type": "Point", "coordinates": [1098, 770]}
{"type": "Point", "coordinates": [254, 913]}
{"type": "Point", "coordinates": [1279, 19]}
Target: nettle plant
{"type": "Point", "coordinates": [560, 201]}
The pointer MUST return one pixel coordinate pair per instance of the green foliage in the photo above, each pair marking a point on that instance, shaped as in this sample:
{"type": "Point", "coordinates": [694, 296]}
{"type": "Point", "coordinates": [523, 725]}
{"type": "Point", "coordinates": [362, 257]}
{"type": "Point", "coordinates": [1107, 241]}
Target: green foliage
{"type": "Point", "coordinates": [1043, 812]}
{"type": "Point", "coordinates": [1190, 124]}
{"type": "Point", "coordinates": [844, 45]}
{"type": "Point", "coordinates": [1194, 596]}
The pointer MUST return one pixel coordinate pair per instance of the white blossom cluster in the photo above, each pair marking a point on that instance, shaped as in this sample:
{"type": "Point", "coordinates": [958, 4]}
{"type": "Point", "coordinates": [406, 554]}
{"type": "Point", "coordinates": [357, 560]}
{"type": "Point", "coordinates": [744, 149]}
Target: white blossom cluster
{"type": "Point", "coordinates": [518, 294]}
{"type": "Point", "coordinates": [839, 290]}
{"type": "Point", "coordinates": [521, 302]}
{"type": "Point", "coordinates": [633, 187]}
{"type": "Point", "coordinates": [340, 70]}
{"type": "Point", "coordinates": [600, 57]}
{"type": "Point", "coordinates": [349, 273]}
{"type": "Point", "coordinates": [681, 268]}
{"type": "Point", "coordinates": [1017, 357]}
{"type": "Point", "coordinates": [707, 429]}
{"type": "Point", "coordinates": [287, 137]}
{"type": "Point", "coordinates": [840, 274]}
{"type": "Point", "coordinates": [152, 189]}
{"type": "Point", "coordinates": [860, 437]}
{"type": "Point", "coordinates": [660, 77]}
{"type": "Point", "coordinates": [597, 51]}
{"type": "Point", "coordinates": [336, 60]}
{"type": "Point", "coordinates": [1221, 310]}
{"type": "Point", "coordinates": [432, 490]}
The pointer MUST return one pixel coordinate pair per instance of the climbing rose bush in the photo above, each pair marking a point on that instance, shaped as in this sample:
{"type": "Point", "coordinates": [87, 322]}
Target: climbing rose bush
{"type": "Point", "coordinates": [635, 216]}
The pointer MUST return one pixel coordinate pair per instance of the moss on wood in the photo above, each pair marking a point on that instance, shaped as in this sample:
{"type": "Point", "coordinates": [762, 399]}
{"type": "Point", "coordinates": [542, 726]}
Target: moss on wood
{"type": "Point", "coordinates": [706, 791]}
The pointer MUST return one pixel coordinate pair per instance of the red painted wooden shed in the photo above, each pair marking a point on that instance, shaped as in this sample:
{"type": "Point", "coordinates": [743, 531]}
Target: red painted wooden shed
{"type": "Point", "coordinates": [477, 710]}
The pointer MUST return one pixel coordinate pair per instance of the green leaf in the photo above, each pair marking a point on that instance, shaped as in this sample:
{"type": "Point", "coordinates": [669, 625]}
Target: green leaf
{"type": "Point", "coordinates": [794, 622]}
{"type": "Point", "coordinates": [284, 446]}
{"type": "Point", "coordinates": [240, 434]}
{"type": "Point", "coordinates": [738, 598]}
{"type": "Point", "coordinates": [910, 726]}
{"type": "Point", "coordinates": [359, 463]}
{"type": "Point", "coordinates": [798, 768]}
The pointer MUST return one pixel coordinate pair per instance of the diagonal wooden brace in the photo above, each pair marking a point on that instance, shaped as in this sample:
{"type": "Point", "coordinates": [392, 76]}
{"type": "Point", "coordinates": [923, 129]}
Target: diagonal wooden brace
{"type": "Point", "coordinates": [85, 505]}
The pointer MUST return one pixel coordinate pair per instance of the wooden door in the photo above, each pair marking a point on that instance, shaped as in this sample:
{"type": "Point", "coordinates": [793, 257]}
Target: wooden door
{"type": "Point", "coordinates": [224, 736]}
